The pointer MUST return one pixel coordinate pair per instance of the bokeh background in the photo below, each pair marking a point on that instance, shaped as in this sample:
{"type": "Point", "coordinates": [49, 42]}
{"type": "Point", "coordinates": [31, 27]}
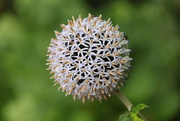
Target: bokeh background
{"type": "Point", "coordinates": [27, 93]}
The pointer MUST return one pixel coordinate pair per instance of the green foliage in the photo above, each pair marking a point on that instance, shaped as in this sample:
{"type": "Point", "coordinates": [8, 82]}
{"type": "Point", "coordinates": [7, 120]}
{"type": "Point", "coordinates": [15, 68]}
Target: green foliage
{"type": "Point", "coordinates": [132, 114]}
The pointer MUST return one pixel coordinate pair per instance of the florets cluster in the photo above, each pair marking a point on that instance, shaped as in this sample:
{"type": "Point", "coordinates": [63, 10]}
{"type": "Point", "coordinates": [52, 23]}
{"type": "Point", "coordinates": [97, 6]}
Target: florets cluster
{"type": "Point", "coordinates": [89, 58]}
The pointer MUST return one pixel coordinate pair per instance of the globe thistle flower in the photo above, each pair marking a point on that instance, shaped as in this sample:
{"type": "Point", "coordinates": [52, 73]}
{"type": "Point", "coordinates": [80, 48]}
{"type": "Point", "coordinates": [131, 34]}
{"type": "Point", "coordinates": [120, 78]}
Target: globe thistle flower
{"type": "Point", "coordinates": [89, 58]}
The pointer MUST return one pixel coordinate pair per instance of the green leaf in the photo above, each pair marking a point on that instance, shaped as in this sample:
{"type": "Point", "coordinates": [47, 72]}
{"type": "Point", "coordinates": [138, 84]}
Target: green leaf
{"type": "Point", "coordinates": [135, 109]}
{"type": "Point", "coordinates": [124, 117]}
{"type": "Point", "coordinates": [132, 114]}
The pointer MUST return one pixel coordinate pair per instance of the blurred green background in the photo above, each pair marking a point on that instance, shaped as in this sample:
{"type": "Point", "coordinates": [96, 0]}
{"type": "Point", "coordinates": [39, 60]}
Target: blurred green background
{"type": "Point", "coordinates": [27, 93]}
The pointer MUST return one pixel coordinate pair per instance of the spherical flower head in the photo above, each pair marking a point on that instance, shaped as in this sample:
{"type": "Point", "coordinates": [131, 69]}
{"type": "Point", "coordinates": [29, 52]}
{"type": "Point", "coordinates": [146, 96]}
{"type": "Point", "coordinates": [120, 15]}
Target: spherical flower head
{"type": "Point", "coordinates": [89, 58]}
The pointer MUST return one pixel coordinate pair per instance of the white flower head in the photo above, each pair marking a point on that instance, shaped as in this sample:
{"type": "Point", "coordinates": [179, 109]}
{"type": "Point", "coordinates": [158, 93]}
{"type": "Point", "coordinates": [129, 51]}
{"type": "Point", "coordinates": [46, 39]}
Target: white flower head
{"type": "Point", "coordinates": [89, 58]}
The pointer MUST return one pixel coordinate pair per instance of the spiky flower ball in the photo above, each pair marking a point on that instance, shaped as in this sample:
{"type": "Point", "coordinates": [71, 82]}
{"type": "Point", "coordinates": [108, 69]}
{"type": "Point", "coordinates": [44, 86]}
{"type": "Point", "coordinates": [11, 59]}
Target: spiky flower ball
{"type": "Point", "coordinates": [89, 58]}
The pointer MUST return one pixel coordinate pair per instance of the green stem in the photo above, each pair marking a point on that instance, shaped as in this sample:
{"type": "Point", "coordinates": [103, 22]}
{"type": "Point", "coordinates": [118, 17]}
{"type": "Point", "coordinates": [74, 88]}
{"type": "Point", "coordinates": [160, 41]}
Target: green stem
{"type": "Point", "coordinates": [127, 103]}
{"type": "Point", "coordinates": [124, 100]}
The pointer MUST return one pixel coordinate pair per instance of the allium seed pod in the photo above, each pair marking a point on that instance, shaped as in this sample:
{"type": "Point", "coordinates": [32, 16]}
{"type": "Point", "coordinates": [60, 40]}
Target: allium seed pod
{"type": "Point", "coordinates": [89, 58]}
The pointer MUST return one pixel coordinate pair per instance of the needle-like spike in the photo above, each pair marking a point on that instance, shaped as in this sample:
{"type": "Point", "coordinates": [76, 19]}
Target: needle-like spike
{"type": "Point", "coordinates": [107, 22]}
{"type": "Point", "coordinates": [89, 95]}
{"type": "Point", "coordinates": [72, 29]}
{"type": "Point", "coordinates": [79, 23]}
{"type": "Point", "coordinates": [73, 85]}
{"type": "Point", "coordinates": [57, 33]}
{"type": "Point", "coordinates": [80, 16]}
{"type": "Point", "coordinates": [108, 54]}
{"type": "Point", "coordinates": [120, 34]}
{"type": "Point", "coordinates": [73, 19]}
{"type": "Point", "coordinates": [63, 71]}
{"type": "Point", "coordinates": [109, 28]}
{"type": "Point", "coordinates": [84, 87]}
{"type": "Point", "coordinates": [115, 44]}
{"type": "Point", "coordinates": [100, 29]}
{"type": "Point", "coordinates": [116, 27]}
{"type": "Point", "coordinates": [113, 36]}
{"type": "Point", "coordinates": [100, 17]}
{"type": "Point", "coordinates": [66, 62]}
{"type": "Point", "coordinates": [111, 73]}
{"type": "Point", "coordinates": [116, 54]}
{"type": "Point", "coordinates": [64, 89]}
{"type": "Point", "coordinates": [52, 72]}
{"type": "Point", "coordinates": [83, 99]}
{"type": "Point", "coordinates": [74, 97]}
{"type": "Point", "coordinates": [48, 63]}
{"type": "Point", "coordinates": [48, 68]}
{"type": "Point", "coordinates": [47, 54]}
{"type": "Point", "coordinates": [60, 87]}
{"type": "Point", "coordinates": [70, 91]}
{"type": "Point", "coordinates": [66, 93]}
{"type": "Point", "coordinates": [106, 82]}
{"type": "Point", "coordinates": [84, 28]}
{"type": "Point", "coordinates": [63, 26]}
{"type": "Point", "coordinates": [92, 98]}
{"type": "Point", "coordinates": [89, 18]}
{"type": "Point", "coordinates": [105, 97]}
{"type": "Point", "coordinates": [110, 88]}
{"type": "Point", "coordinates": [108, 46]}
{"type": "Point", "coordinates": [114, 80]}
{"type": "Point", "coordinates": [52, 77]}
{"type": "Point", "coordinates": [70, 23]}
{"type": "Point", "coordinates": [69, 75]}
{"type": "Point", "coordinates": [56, 83]}
{"type": "Point", "coordinates": [114, 64]}
{"type": "Point", "coordinates": [95, 23]}
{"type": "Point", "coordinates": [119, 72]}
{"type": "Point", "coordinates": [109, 94]}
{"type": "Point", "coordinates": [117, 86]}
{"type": "Point", "coordinates": [102, 90]}
{"type": "Point", "coordinates": [66, 81]}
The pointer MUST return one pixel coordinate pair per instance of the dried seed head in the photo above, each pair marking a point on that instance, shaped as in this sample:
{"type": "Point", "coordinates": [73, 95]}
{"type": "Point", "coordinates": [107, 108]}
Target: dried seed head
{"type": "Point", "coordinates": [89, 58]}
